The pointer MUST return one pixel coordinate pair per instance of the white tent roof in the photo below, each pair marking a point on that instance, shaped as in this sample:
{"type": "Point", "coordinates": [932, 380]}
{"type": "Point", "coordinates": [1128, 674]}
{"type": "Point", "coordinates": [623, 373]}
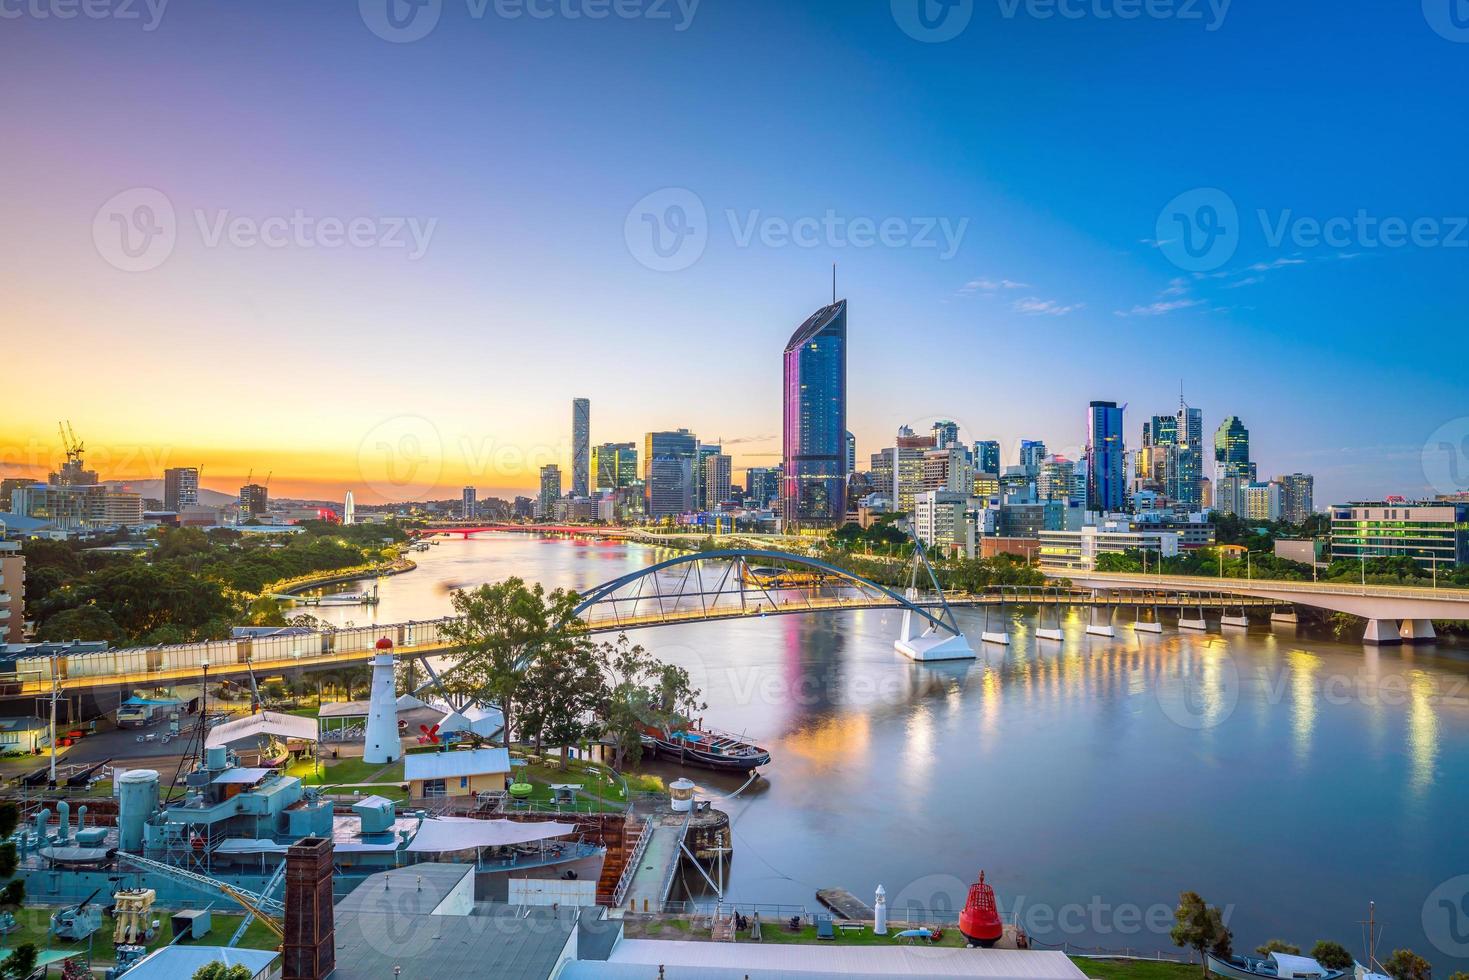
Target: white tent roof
{"type": "Point", "coordinates": [463, 833]}
{"type": "Point", "coordinates": [407, 702]}
{"type": "Point", "coordinates": [459, 762]}
{"type": "Point", "coordinates": [1288, 965]}
{"type": "Point", "coordinates": [265, 723]}
{"type": "Point", "coordinates": [249, 845]}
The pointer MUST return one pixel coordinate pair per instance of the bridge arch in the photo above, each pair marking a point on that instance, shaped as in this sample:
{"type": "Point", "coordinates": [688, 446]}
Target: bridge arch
{"type": "Point", "coordinates": [737, 563]}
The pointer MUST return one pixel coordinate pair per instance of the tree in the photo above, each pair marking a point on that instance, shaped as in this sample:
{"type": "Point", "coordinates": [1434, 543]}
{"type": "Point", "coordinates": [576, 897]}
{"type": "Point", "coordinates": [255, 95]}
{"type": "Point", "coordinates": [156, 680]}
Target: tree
{"type": "Point", "coordinates": [500, 629]}
{"type": "Point", "coordinates": [561, 689]}
{"type": "Point", "coordinates": [1404, 964]}
{"type": "Point", "coordinates": [20, 964]}
{"type": "Point", "coordinates": [1200, 927]}
{"type": "Point", "coordinates": [641, 691]}
{"type": "Point", "coordinates": [218, 971]}
{"type": "Point", "coordinates": [1278, 946]}
{"type": "Point", "coordinates": [82, 623]}
{"type": "Point", "coordinates": [1334, 956]}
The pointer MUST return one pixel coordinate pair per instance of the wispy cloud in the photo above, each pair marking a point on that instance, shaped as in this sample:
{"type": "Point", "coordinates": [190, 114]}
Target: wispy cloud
{"type": "Point", "coordinates": [983, 285]}
{"type": "Point", "coordinates": [1035, 306]}
{"type": "Point", "coordinates": [1160, 308]}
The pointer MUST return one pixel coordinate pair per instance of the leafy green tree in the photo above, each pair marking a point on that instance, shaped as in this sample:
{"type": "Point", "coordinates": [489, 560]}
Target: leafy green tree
{"type": "Point", "coordinates": [20, 964]}
{"type": "Point", "coordinates": [561, 690]}
{"type": "Point", "coordinates": [500, 629]}
{"type": "Point", "coordinates": [218, 971]}
{"type": "Point", "coordinates": [82, 623]}
{"type": "Point", "coordinates": [1333, 955]}
{"type": "Point", "coordinates": [1200, 926]}
{"type": "Point", "coordinates": [641, 691]}
{"type": "Point", "coordinates": [1278, 946]}
{"type": "Point", "coordinates": [1404, 964]}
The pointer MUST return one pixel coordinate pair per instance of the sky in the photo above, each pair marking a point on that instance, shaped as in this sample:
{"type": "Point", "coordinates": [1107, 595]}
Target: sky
{"type": "Point", "coordinates": [380, 246]}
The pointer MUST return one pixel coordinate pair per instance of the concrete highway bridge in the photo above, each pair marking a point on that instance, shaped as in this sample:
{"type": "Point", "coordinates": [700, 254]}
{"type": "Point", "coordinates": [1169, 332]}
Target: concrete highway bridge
{"type": "Point", "coordinates": [1394, 613]}
{"type": "Point", "coordinates": [709, 586]}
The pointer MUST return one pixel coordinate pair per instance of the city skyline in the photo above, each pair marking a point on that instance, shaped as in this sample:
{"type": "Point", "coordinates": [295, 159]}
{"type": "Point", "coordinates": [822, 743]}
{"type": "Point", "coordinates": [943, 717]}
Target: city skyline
{"type": "Point", "coordinates": [1056, 264]}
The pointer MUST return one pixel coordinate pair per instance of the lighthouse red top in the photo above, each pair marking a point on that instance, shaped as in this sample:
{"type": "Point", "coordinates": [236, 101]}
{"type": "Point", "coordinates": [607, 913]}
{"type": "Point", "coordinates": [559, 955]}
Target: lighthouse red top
{"type": "Point", "coordinates": [385, 644]}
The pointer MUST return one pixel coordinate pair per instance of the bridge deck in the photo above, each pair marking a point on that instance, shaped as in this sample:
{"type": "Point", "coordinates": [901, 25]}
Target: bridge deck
{"type": "Point", "coordinates": [654, 875]}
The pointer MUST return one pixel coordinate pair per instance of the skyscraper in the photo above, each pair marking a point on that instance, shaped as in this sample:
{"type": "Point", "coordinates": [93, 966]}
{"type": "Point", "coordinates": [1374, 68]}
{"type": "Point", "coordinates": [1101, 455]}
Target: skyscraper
{"type": "Point", "coordinates": [1232, 451]}
{"type": "Point", "coordinates": [254, 500]}
{"type": "Point", "coordinates": [668, 472]}
{"type": "Point", "coordinates": [701, 489]}
{"type": "Point", "coordinates": [550, 490]}
{"type": "Point", "coordinates": [815, 421]}
{"type": "Point", "coordinates": [987, 457]}
{"type": "Point", "coordinates": [762, 485]}
{"type": "Point", "coordinates": [945, 434]}
{"type": "Point", "coordinates": [1032, 454]}
{"type": "Point", "coordinates": [614, 465]}
{"type": "Point", "coordinates": [851, 454]}
{"type": "Point", "coordinates": [349, 510]}
{"type": "Point", "coordinates": [581, 446]}
{"type": "Point", "coordinates": [1297, 493]}
{"type": "Point", "coordinates": [180, 488]}
{"type": "Point", "coordinates": [468, 503]}
{"type": "Point", "coordinates": [1057, 479]}
{"type": "Point", "coordinates": [1104, 457]}
{"type": "Point", "coordinates": [717, 469]}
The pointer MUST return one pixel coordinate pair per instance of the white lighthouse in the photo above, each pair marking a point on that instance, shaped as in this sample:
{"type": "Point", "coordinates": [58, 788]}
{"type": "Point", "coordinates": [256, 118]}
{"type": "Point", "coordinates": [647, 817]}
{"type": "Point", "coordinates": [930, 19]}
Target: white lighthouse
{"type": "Point", "coordinates": [383, 744]}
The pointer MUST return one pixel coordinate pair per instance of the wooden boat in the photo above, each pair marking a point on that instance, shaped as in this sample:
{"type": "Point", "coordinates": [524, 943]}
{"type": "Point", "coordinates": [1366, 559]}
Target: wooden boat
{"type": "Point", "coordinates": [706, 747]}
{"type": "Point", "coordinates": [1276, 966]}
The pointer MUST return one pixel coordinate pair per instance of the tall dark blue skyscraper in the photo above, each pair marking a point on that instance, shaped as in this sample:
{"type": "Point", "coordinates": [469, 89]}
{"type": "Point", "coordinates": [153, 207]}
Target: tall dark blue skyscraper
{"type": "Point", "coordinates": [1104, 452]}
{"type": "Point", "coordinates": [814, 487]}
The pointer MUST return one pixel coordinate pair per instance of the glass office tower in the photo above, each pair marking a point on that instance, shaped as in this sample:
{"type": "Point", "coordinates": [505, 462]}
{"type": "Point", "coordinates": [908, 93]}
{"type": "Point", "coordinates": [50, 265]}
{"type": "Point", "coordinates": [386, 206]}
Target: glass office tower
{"type": "Point", "coordinates": [1104, 455]}
{"type": "Point", "coordinates": [814, 487]}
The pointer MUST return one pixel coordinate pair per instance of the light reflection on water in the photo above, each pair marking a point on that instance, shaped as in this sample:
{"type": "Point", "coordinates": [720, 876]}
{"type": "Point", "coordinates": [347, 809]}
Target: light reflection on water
{"type": "Point", "coordinates": [1275, 772]}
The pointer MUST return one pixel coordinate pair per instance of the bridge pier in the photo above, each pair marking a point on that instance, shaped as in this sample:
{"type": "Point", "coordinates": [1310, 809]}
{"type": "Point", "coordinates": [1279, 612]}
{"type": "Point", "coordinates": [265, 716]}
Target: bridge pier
{"type": "Point", "coordinates": [1382, 632]}
{"type": "Point", "coordinates": [1043, 632]}
{"type": "Point", "coordinates": [1196, 623]}
{"type": "Point", "coordinates": [1238, 622]}
{"type": "Point", "coordinates": [1105, 629]}
{"type": "Point", "coordinates": [1288, 616]}
{"type": "Point", "coordinates": [1417, 631]}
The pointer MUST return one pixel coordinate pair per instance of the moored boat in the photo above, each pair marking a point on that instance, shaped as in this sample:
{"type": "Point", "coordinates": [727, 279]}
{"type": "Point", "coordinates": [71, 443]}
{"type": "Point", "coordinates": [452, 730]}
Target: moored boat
{"type": "Point", "coordinates": [706, 747]}
{"type": "Point", "coordinates": [1276, 966]}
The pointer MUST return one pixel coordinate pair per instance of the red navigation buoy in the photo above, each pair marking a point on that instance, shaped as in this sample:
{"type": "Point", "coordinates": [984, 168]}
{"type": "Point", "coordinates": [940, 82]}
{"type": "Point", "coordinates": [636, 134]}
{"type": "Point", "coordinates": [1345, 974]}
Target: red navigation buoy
{"type": "Point", "coordinates": [980, 920]}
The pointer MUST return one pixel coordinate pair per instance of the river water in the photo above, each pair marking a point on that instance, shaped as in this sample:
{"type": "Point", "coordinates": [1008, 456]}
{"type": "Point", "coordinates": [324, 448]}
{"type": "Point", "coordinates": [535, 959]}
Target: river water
{"type": "Point", "coordinates": [1290, 779]}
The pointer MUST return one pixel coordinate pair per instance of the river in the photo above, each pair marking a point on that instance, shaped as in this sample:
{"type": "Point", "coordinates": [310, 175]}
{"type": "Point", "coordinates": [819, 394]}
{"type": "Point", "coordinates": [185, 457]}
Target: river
{"type": "Point", "coordinates": [1290, 779]}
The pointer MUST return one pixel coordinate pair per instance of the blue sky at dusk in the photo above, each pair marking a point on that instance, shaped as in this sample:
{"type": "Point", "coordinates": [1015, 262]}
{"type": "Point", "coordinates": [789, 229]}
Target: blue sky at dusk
{"type": "Point", "coordinates": [1047, 146]}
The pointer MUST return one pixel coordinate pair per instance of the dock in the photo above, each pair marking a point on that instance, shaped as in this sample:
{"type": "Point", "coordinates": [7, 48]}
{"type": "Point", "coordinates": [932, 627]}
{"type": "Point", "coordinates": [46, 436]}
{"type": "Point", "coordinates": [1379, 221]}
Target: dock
{"type": "Point", "coordinates": [845, 905]}
{"type": "Point", "coordinates": [653, 878]}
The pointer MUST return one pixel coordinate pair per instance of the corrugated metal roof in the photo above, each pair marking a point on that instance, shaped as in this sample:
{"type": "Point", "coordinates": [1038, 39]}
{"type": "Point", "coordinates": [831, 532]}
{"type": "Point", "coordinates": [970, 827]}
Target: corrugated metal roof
{"type": "Point", "coordinates": [445, 765]}
{"type": "Point", "coordinates": [172, 962]}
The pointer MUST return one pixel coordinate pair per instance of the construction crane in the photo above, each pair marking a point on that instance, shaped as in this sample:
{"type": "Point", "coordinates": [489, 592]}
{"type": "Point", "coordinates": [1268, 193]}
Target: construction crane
{"type": "Point", "coordinates": [267, 910]}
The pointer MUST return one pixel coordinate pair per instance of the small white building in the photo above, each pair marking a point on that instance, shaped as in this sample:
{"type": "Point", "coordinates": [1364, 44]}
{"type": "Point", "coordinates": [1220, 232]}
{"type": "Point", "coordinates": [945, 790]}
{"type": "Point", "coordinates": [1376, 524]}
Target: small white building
{"type": "Point", "coordinates": [1077, 551]}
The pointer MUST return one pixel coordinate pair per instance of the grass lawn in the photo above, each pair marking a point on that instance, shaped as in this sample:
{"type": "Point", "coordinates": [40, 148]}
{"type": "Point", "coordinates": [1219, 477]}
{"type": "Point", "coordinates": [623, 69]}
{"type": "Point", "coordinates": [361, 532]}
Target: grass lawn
{"type": "Point", "coordinates": [346, 771]}
{"type": "Point", "coordinates": [1138, 969]}
{"type": "Point", "coordinates": [35, 923]}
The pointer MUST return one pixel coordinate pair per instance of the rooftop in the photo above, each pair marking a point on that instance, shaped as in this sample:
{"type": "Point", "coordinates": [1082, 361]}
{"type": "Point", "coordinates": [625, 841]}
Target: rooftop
{"type": "Point", "coordinates": [447, 765]}
{"type": "Point", "coordinates": [504, 942]}
{"type": "Point", "coordinates": [172, 962]}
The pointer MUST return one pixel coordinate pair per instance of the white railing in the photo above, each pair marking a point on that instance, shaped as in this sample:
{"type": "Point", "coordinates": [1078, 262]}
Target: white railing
{"type": "Point", "coordinates": [646, 834]}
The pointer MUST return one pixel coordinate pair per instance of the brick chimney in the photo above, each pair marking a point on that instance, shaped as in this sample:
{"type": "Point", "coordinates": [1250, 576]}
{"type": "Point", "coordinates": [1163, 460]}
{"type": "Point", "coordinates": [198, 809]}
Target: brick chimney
{"type": "Point", "coordinates": [310, 951]}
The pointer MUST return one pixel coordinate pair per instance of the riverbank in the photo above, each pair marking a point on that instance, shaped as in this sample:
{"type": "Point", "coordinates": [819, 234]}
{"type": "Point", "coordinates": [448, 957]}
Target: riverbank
{"type": "Point", "coordinates": [317, 580]}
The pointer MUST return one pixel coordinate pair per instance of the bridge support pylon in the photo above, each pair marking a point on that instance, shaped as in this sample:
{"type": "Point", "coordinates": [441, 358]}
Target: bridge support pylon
{"type": "Point", "coordinates": [930, 644]}
{"type": "Point", "coordinates": [1044, 632]}
{"type": "Point", "coordinates": [1093, 628]}
{"type": "Point", "coordinates": [1417, 631]}
{"type": "Point", "coordinates": [1284, 616]}
{"type": "Point", "coordinates": [1382, 632]}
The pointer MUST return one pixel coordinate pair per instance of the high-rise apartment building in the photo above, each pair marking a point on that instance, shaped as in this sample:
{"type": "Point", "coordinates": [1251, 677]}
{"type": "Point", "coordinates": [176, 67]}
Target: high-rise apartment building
{"type": "Point", "coordinates": [581, 446]}
{"type": "Point", "coordinates": [1297, 497]}
{"type": "Point", "coordinates": [814, 430]}
{"type": "Point", "coordinates": [762, 485]}
{"type": "Point", "coordinates": [701, 489]}
{"type": "Point", "coordinates": [550, 491]}
{"type": "Point", "coordinates": [1104, 457]}
{"type": "Point", "coordinates": [668, 472]}
{"type": "Point", "coordinates": [254, 500]}
{"type": "Point", "coordinates": [851, 454]}
{"type": "Point", "coordinates": [717, 471]}
{"type": "Point", "coordinates": [468, 504]}
{"type": "Point", "coordinates": [945, 434]}
{"type": "Point", "coordinates": [1057, 479]}
{"type": "Point", "coordinates": [987, 457]}
{"type": "Point", "coordinates": [180, 487]}
{"type": "Point", "coordinates": [1032, 453]}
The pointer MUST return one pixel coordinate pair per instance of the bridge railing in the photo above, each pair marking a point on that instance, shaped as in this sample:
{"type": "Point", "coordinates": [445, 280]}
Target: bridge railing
{"type": "Point", "coordinates": [1211, 583]}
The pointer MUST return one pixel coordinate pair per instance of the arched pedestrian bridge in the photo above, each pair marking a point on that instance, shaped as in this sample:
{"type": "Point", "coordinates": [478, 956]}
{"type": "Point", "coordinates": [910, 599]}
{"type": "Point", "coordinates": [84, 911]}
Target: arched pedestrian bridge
{"type": "Point", "coordinates": [689, 588]}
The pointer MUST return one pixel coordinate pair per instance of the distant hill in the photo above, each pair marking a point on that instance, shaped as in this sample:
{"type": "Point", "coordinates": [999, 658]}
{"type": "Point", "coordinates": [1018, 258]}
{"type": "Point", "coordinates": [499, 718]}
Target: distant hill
{"type": "Point", "coordinates": [154, 488]}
